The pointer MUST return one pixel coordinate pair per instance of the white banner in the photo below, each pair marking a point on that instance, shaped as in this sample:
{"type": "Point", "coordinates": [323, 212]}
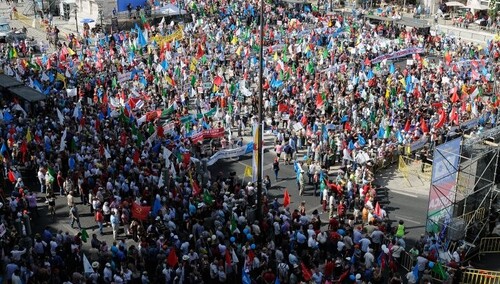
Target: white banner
{"type": "Point", "coordinates": [228, 153]}
{"type": "Point", "coordinates": [397, 54]}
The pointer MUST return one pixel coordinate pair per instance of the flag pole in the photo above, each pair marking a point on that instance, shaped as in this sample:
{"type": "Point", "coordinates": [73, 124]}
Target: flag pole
{"type": "Point", "coordinates": [260, 118]}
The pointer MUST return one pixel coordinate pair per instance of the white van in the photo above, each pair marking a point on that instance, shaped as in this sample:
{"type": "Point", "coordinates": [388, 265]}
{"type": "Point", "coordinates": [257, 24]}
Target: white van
{"type": "Point", "coordinates": [4, 29]}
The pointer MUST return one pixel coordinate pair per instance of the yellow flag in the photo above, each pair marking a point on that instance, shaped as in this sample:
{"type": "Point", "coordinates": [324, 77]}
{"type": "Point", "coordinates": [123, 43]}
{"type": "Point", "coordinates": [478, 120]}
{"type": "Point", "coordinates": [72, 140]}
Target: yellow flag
{"type": "Point", "coordinates": [70, 51]}
{"type": "Point", "coordinates": [387, 93]}
{"type": "Point", "coordinates": [248, 171]}
{"type": "Point", "coordinates": [234, 41]}
{"type": "Point", "coordinates": [192, 66]}
{"type": "Point", "coordinates": [275, 57]}
{"type": "Point", "coordinates": [169, 80]}
{"type": "Point", "coordinates": [238, 51]}
{"type": "Point", "coordinates": [215, 89]}
{"type": "Point", "coordinates": [402, 81]}
{"type": "Point", "coordinates": [28, 136]}
{"type": "Point", "coordinates": [425, 63]}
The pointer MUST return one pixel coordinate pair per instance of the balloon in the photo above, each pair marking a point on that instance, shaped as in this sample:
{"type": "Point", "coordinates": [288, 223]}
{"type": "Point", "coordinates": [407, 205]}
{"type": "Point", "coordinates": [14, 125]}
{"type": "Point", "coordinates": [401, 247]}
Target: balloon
{"type": "Point", "coordinates": [352, 277]}
{"type": "Point", "coordinates": [431, 264]}
{"type": "Point", "coordinates": [232, 239]}
{"type": "Point", "coordinates": [246, 231]}
{"type": "Point", "coordinates": [384, 247]}
{"type": "Point", "coordinates": [386, 250]}
{"type": "Point", "coordinates": [249, 236]}
{"type": "Point", "coordinates": [252, 246]}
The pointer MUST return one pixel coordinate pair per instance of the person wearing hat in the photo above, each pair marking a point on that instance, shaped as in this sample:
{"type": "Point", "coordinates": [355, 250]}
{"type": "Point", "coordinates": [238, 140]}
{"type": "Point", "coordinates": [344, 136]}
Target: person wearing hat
{"type": "Point", "coordinates": [94, 276]}
{"type": "Point", "coordinates": [108, 273]}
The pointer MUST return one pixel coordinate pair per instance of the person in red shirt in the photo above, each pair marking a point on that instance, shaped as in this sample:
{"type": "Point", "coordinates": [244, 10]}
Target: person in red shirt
{"type": "Point", "coordinates": [99, 218]}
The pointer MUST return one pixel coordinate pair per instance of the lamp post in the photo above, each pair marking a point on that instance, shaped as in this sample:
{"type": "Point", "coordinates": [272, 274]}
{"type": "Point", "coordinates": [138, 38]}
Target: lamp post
{"type": "Point", "coordinates": [260, 118]}
{"type": "Point", "coordinates": [76, 18]}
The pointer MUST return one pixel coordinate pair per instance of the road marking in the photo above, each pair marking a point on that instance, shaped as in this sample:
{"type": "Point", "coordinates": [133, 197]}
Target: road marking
{"type": "Point", "coordinates": [407, 219]}
{"type": "Point", "coordinates": [403, 193]}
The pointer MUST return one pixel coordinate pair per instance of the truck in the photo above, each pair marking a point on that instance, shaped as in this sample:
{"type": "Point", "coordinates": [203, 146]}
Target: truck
{"type": "Point", "coordinates": [4, 30]}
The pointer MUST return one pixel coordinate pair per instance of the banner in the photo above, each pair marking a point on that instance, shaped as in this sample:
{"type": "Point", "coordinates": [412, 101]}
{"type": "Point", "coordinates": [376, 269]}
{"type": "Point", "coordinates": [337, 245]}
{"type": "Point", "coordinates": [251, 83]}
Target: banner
{"type": "Point", "coordinates": [177, 35]}
{"type": "Point", "coordinates": [446, 161]}
{"type": "Point", "coordinates": [140, 212]}
{"type": "Point", "coordinates": [229, 153]}
{"type": "Point", "coordinates": [398, 54]}
{"type": "Point", "coordinates": [122, 77]}
{"type": "Point", "coordinates": [419, 144]}
{"type": "Point", "coordinates": [206, 134]}
{"type": "Point", "coordinates": [257, 135]}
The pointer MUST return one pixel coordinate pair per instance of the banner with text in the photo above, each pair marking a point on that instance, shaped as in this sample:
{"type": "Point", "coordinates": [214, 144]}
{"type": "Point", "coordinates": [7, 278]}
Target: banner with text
{"type": "Point", "coordinates": [398, 54]}
{"type": "Point", "coordinates": [207, 134]}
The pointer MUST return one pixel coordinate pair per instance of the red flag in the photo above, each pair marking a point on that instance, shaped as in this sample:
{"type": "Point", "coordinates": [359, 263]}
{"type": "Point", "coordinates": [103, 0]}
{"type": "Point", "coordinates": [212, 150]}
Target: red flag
{"type": "Point", "coordinates": [12, 176]}
{"type": "Point", "coordinates": [319, 101]}
{"type": "Point", "coordinates": [217, 80]}
{"type": "Point", "coordinates": [200, 52]}
{"type": "Point", "coordinates": [172, 259]}
{"type": "Point", "coordinates": [378, 211]}
{"type": "Point", "coordinates": [196, 187]}
{"type": "Point", "coordinates": [454, 116]}
{"type": "Point", "coordinates": [140, 212]}
{"type": "Point", "coordinates": [306, 273]}
{"type": "Point", "coordinates": [447, 58]}
{"type": "Point", "coordinates": [454, 97]}
{"type": "Point", "coordinates": [423, 126]}
{"type": "Point", "coordinates": [159, 131]}
{"type": "Point", "coordinates": [286, 198]}
{"type": "Point", "coordinates": [407, 125]}
{"type": "Point", "coordinates": [347, 126]}
{"type": "Point", "coordinates": [228, 257]}
{"type": "Point", "coordinates": [442, 119]}
{"type": "Point", "coordinates": [368, 62]}
{"type": "Point", "coordinates": [282, 108]}
{"type": "Point", "coordinates": [186, 158]}
{"type": "Point", "coordinates": [136, 157]}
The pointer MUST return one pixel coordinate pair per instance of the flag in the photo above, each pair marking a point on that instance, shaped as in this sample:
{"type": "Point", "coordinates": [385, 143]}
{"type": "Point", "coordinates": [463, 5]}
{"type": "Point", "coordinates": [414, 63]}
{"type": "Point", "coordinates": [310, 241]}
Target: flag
{"type": "Point", "coordinates": [454, 97]}
{"type": "Point", "coordinates": [208, 198]}
{"type": "Point", "coordinates": [156, 205]}
{"type": "Point", "coordinates": [140, 212]}
{"type": "Point", "coordinates": [439, 270]}
{"type": "Point", "coordinates": [361, 140]}
{"type": "Point", "coordinates": [319, 101]}
{"type": "Point", "coordinates": [84, 235]}
{"type": "Point", "coordinates": [378, 211]}
{"type": "Point", "coordinates": [407, 125]}
{"type": "Point", "coordinates": [415, 271]}
{"type": "Point", "coordinates": [245, 278]}
{"type": "Point", "coordinates": [87, 268]}
{"type": "Point", "coordinates": [12, 176]}
{"type": "Point", "coordinates": [306, 272]}
{"type": "Point", "coordinates": [423, 126]}
{"type": "Point", "coordinates": [172, 259]}
{"type": "Point", "coordinates": [286, 198]}
{"type": "Point", "coordinates": [248, 171]}
{"type": "Point", "coordinates": [217, 80]}
{"type": "Point", "coordinates": [60, 116]}
{"type": "Point", "coordinates": [442, 119]}
{"type": "Point", "coordinates": [234, 224]}
{"type": "Point", "coordinates": [196, 187]}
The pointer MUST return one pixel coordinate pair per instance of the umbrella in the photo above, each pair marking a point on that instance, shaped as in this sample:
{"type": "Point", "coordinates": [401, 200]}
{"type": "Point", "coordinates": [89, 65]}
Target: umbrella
{"type": "Point", "coordinates": [454, 4]}
{"type": "Point", "coordinates": [87, 21]}
{"type": "Point", "coordinates": [476, 5]}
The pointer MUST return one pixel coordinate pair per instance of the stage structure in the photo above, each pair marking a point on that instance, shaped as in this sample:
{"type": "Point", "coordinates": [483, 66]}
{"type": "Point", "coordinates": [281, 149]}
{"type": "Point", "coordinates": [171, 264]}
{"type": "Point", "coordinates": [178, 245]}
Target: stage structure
{"type": "Point", "coordinates": [464, 186]}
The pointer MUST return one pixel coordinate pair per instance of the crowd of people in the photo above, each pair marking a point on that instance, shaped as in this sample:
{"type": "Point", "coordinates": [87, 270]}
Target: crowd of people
{"type": "Point", "coordinates": [117, 128]}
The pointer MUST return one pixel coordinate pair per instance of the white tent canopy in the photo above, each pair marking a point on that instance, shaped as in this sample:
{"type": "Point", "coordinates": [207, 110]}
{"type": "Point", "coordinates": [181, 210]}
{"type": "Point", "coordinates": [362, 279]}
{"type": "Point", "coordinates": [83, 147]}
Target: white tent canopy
{"type": "Point", "coordinates": [475, 5]}
{"type": "Point", "coordinates": [454, 4]}
{"type": "Point", "coordinates": [171, 10]}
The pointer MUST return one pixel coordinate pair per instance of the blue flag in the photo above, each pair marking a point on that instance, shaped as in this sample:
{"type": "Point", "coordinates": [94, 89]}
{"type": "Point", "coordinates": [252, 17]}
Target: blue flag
{"type": "Point", "coordinates": [392, 69]}
{"type": "Point", "coordinates": [361, 140]}
{"type": "Point", "coordinates": [71, 163]}
{"type": "Point", "coordinates": [3, 149]}
{"type": "Point", "coordinates": [7, 117]}
{"type": "Point", "coordinates": [351, 145]}
{"type": "Point", "coordinates": [415, 271]}
{"type": "Point", "coordinates": [399, 136]}
{"type": "Point", "coordinates": [381, 133]}
{"type": "Point", "coordinates": [156, 207]}
{"type": "Point", "coordinates": [245, 278]}
{"type": "Point", "coordinates": [369, 75]}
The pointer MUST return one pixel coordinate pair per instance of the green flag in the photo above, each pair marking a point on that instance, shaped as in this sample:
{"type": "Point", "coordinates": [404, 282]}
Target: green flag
{"type": "Point", "coordinates": [193, 81]}
{"type": "Point", "coordinates": [208, 198]}
{"type": "Point", "coordinates": [140, 138]}
{"type": "Point", "coordinates": [85, 235]}
{"type": "Point", "coordinates": [234, 224]}
{"type": "Point", "coordinates": [232, 88]}
{"type": "Point", "coordinates": [151, 129]}
{"type": "Point", "coordinates": [133, 129]}
{"type": "Point", "coordinates": [439, 270]}
{"type": "Point", "coordinates": [113, 83]}
{"type": "Point", "coordinates": [310, 67]}
{"type": "Point", "coordinates": [325, 53]}
{"type": "Point", "coordinates": [168, 111]}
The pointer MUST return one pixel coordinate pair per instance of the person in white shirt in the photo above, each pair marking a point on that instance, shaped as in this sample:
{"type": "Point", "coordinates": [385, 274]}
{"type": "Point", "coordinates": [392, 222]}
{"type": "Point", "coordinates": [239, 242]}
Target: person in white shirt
{"type": "Point", "coordinates": [16, 253]}
{"type": "Point", "coordinates": [369, 259]}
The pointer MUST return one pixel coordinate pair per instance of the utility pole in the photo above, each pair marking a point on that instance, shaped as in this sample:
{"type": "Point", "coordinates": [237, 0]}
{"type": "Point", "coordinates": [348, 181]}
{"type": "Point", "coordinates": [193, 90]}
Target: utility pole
{"type": "Point", "coordinates": [76, 18]}
{"type": "Point", "coordinates": [260, 118]}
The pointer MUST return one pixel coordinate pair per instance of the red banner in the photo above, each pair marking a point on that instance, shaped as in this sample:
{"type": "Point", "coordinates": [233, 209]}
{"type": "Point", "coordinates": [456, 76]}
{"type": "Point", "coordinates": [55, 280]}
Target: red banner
{"type": "Point", "coordinates": [207, 134]}
{"type": "Point", "coordinates": [140, 212]}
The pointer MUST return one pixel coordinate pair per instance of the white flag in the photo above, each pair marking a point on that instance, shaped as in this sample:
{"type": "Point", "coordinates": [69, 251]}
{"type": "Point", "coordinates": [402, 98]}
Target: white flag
{"type": "Point", "coordinates": [106, 152]}
{"type": "Point", "coordinates": [62, 145]}
{"type": "Point", "coordinates": [160, 181]}
{"type": "Point", "coordinates": [60, 116]}
{"type": "Point", "coordinates": [72, 92]}
{"type": "Point", "coordinates": [172, 169]}
{"type": "Point", "coordinates": [87, 268]}
{"type": "Point", "coordinates": [166, 153]}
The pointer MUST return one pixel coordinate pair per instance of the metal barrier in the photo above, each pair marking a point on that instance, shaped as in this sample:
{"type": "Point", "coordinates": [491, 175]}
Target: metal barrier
{"type": "Point", "coordinates": [411, 167]}
{"type": "Point", "coordinates": [406, 261]}
{"type": "Point", "coordinates": [479, 276]}
{"type": "Point", "coordinates": [473, 216]}
{"type": "Point", "coordinates": [489, 245]}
